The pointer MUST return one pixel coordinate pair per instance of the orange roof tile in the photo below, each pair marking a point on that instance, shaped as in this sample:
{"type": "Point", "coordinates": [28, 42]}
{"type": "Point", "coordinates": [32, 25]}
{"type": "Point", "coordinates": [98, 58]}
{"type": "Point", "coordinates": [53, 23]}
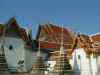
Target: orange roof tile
{"type": "Point", "coordinates": [82, 41]}
{"type": "Point", "coordinates": [96, 43]}
{"type": "Point", "coordinates": [96, 37]}
{"type": "Point", "coordinates": [53, 33]}
{"type": "Point", "coordinates": [53, 45]}
{"type": "Point", "coordinates": [52, 36]}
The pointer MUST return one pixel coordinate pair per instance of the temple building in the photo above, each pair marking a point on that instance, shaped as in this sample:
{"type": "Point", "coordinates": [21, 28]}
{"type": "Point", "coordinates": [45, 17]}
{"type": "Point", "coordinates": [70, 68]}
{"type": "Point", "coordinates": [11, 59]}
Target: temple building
{"type": "Point", "coordinates": [96, 51]}
{"type": "Point", "coordinates": [20, 50]}
{"type": "Point", "coordinates": [15, 39]}
{"type": "Point", "coordinates": [50, 36]}
{"type": "Point", "coordinates": [50, 39]}
{"type": "Point", "coordinates": [84, 62]}
{"type": "Point", "coordinates": [55, 51]}
{"type": "Point", "coordinates": [17, 46]}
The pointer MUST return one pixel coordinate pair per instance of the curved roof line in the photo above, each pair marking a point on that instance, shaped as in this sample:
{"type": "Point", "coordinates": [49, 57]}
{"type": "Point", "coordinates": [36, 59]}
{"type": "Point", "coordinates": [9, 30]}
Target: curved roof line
{"type": "Point", "coordinates": [94, 34]}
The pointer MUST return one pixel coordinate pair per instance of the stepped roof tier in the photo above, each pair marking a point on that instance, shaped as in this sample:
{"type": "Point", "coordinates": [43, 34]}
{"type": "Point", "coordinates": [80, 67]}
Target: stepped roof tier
{"type": "Point", "coordinates": [12, 29]}
{"type": "Point", "coordinates": [53, 47]}
{"type": "Point", "coordinates": [50, 38]}
{"type": "Point", "coordinates": [51, 33]}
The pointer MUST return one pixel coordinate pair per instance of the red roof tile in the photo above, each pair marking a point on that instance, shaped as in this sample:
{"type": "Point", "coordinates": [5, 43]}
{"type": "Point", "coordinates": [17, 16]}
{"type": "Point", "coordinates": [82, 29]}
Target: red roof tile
{"type": "Point", "coordinates": [51, 45]}
{"type": "Point", "coordinates": [96, 37]}
{"type": "Point", "coordinates": [52, 36]}
{"type": "Point", "coordinates": [53, 33]}
{"type": "Point", "coordinates": [83, 41]}
{"type": "Point", "coordinates": [96, 43]}
{"type": "Point", "coordinates": [13, 23]}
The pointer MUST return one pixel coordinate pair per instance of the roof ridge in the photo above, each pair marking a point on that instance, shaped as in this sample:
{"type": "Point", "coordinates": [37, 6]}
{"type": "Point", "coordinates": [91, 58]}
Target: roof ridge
{"type": "Point", "coordinates": [95, 34]}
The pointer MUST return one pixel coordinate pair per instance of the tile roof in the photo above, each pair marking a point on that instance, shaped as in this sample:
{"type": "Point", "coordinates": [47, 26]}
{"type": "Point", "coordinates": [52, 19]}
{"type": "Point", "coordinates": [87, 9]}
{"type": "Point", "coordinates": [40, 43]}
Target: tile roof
{"type": "Point", "coordinates": [96, 43]}
{"type": "Point", "coordinates": [96, 37]}
{"type": "Point", "coordinates": [53, 45]}
{"type": "Point", "coordinates": [52, 33]}
{"type": "Point", "coordinates": [11, 25]}
{"type": "Point", "coordinates": [54, 56]}
{"type": "Point", "coordinates": [83, 41]}
{"type": "Point", "coordinates": [50, 36]}
{"type": "Point", "coordinates": [11, 28]}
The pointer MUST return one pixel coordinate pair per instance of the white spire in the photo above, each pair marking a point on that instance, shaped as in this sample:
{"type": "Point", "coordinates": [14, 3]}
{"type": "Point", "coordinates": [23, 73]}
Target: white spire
{"type": "Point", "coordinates": [62, 36]}
{"type": "Point", "coordinates": [75, 65]}
{"type": "Point", "coordinates": [62, 47]}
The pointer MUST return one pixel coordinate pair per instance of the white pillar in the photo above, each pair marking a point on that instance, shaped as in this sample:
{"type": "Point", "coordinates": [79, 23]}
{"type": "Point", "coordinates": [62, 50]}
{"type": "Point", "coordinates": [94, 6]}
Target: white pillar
{"type": "Point", "coordinates": [93, 65]}
{"type": "Point", "coordinates": [84, 63]}
{"type": "Point", "coordinates": [98, 64]}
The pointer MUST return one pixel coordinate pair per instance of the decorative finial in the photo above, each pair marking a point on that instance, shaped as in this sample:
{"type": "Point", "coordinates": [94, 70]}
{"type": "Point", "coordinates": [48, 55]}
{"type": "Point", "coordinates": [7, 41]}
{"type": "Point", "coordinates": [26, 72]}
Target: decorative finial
{"type": "Point", "coordinates": [79, 33]}
{"type": "Point", "coordinates": [49, 22]}
{"type": "Point", "coordinates": [14, 14]}
{"type": "Point", "coordinates": [62, 35]}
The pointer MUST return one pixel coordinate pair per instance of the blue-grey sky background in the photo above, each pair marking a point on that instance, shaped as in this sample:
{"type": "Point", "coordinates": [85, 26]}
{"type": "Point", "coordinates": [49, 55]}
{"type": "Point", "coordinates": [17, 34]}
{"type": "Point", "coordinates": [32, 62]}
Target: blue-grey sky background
{"type": "Point", "coordinates": [78, 15]}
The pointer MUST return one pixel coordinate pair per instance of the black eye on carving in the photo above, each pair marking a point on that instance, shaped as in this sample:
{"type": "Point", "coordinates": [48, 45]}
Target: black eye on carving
{"type": "Point", "coordinates": [10, 47]}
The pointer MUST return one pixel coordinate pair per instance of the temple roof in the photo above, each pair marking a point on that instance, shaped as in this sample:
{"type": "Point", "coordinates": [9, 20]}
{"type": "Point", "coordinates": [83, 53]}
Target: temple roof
{"type": "Point", "coordinates": [53, 46]}
{"type": "Point", "coordinates": [50, 37]}
{"type": "Point", "coordinates": [83, 41]}
{"type": "Point", "coordinates": [96, 37]}
{"type": "Point", "coordinates": [52, 34]}
{"type": "Point", "coordinates": [12, 29]}
{"type": "Point", "coordinates": [96, 42]}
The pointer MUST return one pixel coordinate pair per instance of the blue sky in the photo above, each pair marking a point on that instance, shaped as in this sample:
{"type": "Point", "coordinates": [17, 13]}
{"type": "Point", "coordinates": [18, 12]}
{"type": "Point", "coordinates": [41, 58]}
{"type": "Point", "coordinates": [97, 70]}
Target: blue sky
{"type": "Point", "coordinates": [78, 15]}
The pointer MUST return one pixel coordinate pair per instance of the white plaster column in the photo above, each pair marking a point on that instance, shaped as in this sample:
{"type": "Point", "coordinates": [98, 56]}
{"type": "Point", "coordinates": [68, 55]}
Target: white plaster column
{"type": "Point", "coordinates": [92, 65]}
{"type": "Point", "coordinates": [98, 64]}
{"type": "Point", "coordinates": [84, 63]}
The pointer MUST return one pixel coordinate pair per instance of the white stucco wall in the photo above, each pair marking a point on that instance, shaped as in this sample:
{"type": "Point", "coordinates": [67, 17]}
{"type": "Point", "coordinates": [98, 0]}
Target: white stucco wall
{"type": "Point", "coordinates": [30, 56]}
{"type": "Point", "coordinates": [17, 53]}
{"type": "Point", "coordinates": [93, 65]}
{"type": "Point", "coordinates": [28, 59]}
{"type": "Point", "coordinates": [98, 64]}
{"type": "Point", "coordinates": [81, 65]}
{"type": "Point", "coordinates": [98, 60]}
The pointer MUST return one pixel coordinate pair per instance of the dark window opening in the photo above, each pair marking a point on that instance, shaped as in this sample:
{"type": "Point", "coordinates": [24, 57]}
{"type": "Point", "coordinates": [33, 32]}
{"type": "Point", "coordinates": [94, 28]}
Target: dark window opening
{"type": "Point", "coordinates": [10, 47]}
